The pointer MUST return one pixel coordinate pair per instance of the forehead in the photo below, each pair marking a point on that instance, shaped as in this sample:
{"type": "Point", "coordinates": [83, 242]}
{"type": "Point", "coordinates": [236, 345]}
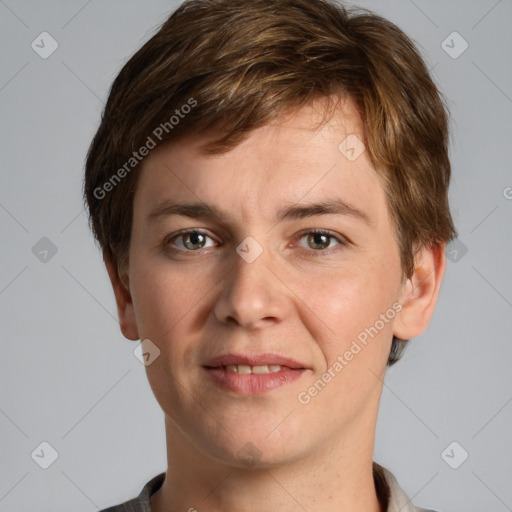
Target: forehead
{"type": "Point", "coordinates": [292, 159]}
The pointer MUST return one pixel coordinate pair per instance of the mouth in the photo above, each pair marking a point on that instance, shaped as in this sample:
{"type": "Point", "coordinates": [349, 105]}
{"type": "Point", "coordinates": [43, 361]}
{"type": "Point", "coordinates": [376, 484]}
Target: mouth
{"type": "Point", "coordinates": [254, 374]}
{"type": "Point", "coordinates": [268, 360]}
{"type": "Point", "coordinates": [243, 369]}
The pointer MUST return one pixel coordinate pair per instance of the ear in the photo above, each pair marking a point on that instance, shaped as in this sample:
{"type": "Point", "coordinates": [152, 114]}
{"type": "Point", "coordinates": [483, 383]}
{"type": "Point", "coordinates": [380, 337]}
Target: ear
{"type": "Point", "coordinates": [420, 292]}
{"type": "Point", "coordinates": [125, 311]}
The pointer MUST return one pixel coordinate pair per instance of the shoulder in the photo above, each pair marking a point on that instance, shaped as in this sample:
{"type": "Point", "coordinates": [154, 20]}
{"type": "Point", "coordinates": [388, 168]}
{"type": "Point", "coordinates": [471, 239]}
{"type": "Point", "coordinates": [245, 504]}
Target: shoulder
{"type": "Point", "coordinates": [392, 494]}
{"type": "Point", "coordinates": [141, 503]}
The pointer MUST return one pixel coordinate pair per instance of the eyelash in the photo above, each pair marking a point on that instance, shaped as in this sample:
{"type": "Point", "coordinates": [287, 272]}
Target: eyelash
{"type": "Point", "coordinates": [342, 241]}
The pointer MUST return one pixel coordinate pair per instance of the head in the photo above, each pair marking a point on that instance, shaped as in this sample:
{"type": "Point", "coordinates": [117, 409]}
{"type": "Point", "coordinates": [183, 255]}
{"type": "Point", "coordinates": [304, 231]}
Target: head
{"type": "Point", "coordinates": [246, 106]}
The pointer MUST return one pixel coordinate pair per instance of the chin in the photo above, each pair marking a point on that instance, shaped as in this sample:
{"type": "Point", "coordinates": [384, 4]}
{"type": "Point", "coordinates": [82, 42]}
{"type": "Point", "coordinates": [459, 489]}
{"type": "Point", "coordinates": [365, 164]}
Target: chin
{"type": "Point", "coordinates": [260, 446]}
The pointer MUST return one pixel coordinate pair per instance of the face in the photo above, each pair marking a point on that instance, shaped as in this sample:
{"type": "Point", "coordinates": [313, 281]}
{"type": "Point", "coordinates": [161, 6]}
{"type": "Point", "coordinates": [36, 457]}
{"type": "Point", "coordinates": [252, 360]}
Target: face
{"type": "Point", "coordinates": [274, 303]}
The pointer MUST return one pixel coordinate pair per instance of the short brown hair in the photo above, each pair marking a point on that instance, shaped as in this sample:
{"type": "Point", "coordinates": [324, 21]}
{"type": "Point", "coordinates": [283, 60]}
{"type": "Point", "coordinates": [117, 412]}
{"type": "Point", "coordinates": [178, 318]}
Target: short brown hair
{"type": "Point", "coordinates": [238, 64]}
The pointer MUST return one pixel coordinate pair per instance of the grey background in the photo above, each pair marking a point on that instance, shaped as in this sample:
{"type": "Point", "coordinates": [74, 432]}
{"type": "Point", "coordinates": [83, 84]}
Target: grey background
{"type": "Point", "coordinates": [68, 377]}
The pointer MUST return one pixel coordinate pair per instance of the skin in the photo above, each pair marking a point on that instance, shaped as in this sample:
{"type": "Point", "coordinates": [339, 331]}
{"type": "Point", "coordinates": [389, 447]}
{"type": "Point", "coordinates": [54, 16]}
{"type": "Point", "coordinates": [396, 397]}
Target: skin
{"type": "Point", "coordinates": [304, 297]}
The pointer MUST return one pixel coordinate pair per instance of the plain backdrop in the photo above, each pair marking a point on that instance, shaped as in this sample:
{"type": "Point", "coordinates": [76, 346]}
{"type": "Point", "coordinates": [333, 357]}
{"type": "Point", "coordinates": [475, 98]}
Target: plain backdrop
{"type": "Point", "coordinates": [70, 379]}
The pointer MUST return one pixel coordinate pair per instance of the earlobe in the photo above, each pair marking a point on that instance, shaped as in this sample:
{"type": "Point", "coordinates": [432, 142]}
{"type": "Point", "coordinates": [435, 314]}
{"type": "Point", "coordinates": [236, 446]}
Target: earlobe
{"type": "Point", "coordinates": [420, 293]}
{"type": "Point", "coordinates": [125, 310]}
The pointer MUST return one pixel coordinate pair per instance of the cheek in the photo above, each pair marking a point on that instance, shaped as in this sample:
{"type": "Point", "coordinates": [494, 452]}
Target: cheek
{"type": "Point", "coordinates": [346, 305]}
{"type": "Point", "coordinates": [162, 299]}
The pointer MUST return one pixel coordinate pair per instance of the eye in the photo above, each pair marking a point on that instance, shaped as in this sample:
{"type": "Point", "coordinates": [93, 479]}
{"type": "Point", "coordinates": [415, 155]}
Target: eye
{"type": "Point", "coordinates": [316, 240]}
{"type": "Point", "coordinates": [321, 239]}
{"type": "Point", "coordinates": [192, 240]}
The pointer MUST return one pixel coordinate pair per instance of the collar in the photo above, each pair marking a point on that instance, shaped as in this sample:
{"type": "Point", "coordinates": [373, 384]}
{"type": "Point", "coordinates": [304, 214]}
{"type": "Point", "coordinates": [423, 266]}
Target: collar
{"type": "Point", "coordinates": [389, 493]}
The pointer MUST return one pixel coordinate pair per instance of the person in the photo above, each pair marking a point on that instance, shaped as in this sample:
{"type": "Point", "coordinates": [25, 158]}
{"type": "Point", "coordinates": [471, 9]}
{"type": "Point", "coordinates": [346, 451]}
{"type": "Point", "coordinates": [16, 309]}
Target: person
{"type": "Point", "coordinates": [269, 190]}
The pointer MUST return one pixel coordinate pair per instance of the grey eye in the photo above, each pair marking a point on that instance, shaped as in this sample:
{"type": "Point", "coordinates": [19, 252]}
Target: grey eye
{"type": "Point", "coordinates": [192, 241]}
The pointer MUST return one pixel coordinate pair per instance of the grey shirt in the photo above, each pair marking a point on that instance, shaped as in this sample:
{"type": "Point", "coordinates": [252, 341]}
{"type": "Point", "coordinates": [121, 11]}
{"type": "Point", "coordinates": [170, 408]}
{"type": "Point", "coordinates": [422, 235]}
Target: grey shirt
{"type": "Point", "coordinates": [386, 485]}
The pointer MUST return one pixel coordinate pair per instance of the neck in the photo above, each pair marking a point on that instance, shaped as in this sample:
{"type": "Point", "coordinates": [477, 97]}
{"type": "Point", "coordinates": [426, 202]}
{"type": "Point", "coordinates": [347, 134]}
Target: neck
{"type": "Point", "coordinates": [340, 477]}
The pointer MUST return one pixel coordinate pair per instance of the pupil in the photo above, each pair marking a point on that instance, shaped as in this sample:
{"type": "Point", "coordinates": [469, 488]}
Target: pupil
{"type": "Point", "coordinates": [319, 239]}
{"type": "Point", "coordinates": [195, 238]}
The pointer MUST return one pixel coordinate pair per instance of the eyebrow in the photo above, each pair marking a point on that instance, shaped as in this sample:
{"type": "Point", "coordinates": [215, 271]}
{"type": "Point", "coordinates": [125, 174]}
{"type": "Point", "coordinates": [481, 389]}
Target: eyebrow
{"type": "Point", "coordinates": [200, 210]}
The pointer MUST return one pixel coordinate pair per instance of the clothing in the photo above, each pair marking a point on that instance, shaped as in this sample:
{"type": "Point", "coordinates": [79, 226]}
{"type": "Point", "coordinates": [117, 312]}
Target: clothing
{"type": "Point", "coordinates": [387, 487]}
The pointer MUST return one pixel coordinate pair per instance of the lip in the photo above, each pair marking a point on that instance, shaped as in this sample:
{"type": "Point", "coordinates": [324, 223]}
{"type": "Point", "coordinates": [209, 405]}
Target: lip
{"type": "Point", "coordinates": [253, 360]}
{"type": "Point", "coordinates": [253, 383]}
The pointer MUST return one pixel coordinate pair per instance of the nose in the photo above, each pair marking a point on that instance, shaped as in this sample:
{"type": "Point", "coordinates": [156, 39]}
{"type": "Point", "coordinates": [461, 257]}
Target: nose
{"type": "Point", "coordinates": [253, 294]}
